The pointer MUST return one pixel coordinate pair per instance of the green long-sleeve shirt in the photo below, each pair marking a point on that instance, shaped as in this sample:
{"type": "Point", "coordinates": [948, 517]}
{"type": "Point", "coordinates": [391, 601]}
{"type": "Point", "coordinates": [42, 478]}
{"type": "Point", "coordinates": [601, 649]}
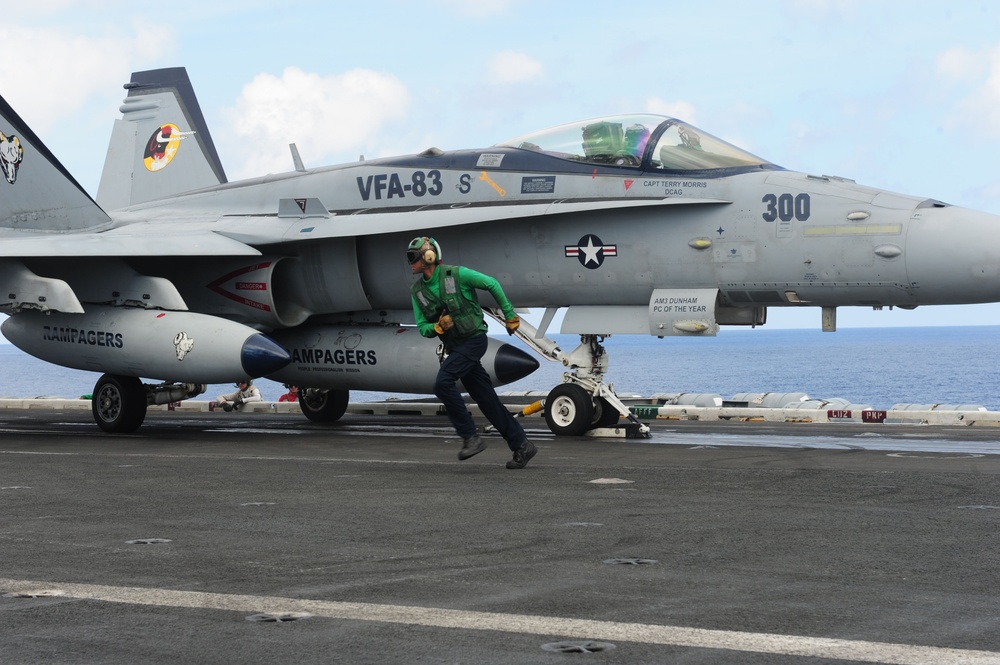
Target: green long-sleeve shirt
{"type": "Point", "coordinates": [470, 280]}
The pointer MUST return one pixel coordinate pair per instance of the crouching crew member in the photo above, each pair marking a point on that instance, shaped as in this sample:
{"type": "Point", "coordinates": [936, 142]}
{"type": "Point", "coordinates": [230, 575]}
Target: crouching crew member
{"type": "Point", "coordinates": [247, 392]}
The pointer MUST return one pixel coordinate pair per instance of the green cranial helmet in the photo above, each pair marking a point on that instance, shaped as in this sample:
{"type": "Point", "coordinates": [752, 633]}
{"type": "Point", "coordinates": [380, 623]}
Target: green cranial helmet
{"type": "Point", "coordinates": [423, 249]}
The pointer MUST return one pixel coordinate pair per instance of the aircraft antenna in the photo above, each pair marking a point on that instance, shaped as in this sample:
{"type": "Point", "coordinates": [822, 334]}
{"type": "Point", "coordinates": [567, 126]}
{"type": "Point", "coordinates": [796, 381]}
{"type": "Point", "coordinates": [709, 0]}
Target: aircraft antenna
{"type": "Point", "coordinates": [296, 159]}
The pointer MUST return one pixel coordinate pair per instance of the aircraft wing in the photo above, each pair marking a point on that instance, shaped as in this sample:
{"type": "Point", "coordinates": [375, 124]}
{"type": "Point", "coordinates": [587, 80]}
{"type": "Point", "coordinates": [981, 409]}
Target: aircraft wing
{"type": "Point", "coordinates": [146, 240]}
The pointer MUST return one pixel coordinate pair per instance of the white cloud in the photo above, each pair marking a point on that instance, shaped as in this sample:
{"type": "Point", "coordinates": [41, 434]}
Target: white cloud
{"type": "Point", "coordinates": [513, 67]}
{"type": "Point", "coordinates": [959, 64]}
{"type": "Point", "coordinates": [58, 70]}
{"type": "Point", "coordinates": [38, 8]}
{"type": "Point", "coordinates": [322, 115]}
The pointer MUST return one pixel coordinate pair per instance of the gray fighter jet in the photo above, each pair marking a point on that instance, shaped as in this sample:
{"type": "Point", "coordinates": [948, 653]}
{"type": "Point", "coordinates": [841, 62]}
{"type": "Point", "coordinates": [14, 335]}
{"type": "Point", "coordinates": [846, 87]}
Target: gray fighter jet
{"type": "Point", "coordinates": [634, 224]}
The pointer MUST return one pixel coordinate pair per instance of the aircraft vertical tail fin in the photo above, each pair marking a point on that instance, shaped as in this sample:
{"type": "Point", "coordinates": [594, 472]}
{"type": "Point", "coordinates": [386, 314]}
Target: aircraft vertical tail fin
{"type": "Point", "coordinates": [39, 193]}
{"type": "Point", "coordinates": [161, 146]}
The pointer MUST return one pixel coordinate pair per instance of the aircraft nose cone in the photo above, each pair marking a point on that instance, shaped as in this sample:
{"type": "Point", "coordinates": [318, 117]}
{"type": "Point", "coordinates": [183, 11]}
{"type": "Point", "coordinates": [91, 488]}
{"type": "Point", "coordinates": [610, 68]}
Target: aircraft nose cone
{"type": "Point", "coordinates": [953, 256]}
{"type": "Point", "coordinates": [512, 364]}
{"type": "Point", "coordinates": [261, 356]}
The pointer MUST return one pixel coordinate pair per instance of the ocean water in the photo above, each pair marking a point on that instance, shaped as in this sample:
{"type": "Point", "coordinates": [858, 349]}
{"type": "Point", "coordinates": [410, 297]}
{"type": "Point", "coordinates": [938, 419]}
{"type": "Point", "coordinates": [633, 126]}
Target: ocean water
{"type": "Point", "coordinates": [880, 367]}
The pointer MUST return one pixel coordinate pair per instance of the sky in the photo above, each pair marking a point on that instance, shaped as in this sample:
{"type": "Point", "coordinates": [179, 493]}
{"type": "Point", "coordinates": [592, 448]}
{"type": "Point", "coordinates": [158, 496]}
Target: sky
{"type": "Point", "coordinates": [900, 95]}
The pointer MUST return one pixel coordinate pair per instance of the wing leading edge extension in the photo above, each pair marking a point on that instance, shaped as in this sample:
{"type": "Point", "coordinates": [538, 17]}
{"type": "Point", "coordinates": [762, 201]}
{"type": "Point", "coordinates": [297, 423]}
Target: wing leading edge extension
{"type": "Point", "coordinates": [260, 230]}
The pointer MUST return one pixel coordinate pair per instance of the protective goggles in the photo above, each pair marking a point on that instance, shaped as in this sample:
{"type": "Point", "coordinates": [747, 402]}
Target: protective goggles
{"type": "Point", "coordinates": [414, 255]}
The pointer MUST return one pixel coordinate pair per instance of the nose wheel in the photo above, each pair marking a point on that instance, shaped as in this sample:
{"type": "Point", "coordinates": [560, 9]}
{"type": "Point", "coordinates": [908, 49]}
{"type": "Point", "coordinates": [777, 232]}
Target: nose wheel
{"type": "Point", "coordinates": [572, 409]}
{"type": "Point", "coordinates": [569, 410]}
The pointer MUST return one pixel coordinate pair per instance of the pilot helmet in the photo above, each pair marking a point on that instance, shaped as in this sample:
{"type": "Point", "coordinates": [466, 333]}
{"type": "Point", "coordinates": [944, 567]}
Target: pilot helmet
{"type": "Point", "coordinates": [425, 249]}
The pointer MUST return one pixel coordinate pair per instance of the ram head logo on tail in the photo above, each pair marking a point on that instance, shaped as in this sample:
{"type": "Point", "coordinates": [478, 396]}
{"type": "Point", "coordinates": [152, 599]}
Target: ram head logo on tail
{"type": "Point", "coordinates": [11, 154]}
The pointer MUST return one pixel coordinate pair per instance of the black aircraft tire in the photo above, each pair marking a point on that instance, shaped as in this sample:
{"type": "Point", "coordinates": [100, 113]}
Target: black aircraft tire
{"type": "Point", "coordinates": [324, 406]}
{"type": "Point", "coordinates": [569, 410]}
{"type": "Point", "coordinates": [118, 403]}
{"type": "Point", "coordinates": [605, 415]}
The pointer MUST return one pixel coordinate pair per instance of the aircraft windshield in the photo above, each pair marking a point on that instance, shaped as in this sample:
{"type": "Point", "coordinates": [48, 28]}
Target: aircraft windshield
{"type": "Point", "coordinates": [622, 141]}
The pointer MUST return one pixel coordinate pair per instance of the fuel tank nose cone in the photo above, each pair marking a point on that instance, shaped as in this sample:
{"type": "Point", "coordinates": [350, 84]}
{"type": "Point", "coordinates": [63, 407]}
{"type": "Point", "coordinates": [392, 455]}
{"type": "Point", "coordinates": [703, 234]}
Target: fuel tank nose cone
{"type": "Point", "coordinates": [512, 364]}
{"type": "Point", "coordinates": [261, 356]}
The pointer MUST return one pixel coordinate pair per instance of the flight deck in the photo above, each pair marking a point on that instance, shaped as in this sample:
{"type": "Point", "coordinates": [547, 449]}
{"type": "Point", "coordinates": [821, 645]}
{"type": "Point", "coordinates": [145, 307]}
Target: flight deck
{"type": "Point", "coordinates": [264, 537]}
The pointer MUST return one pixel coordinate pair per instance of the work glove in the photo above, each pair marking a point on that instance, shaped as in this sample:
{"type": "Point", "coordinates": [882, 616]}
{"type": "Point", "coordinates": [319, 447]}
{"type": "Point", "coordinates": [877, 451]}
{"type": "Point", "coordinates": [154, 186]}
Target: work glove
{"type": "Point", "coordinates": [444, 324]}
{"type": "Point", "coordinates": [512, 325]}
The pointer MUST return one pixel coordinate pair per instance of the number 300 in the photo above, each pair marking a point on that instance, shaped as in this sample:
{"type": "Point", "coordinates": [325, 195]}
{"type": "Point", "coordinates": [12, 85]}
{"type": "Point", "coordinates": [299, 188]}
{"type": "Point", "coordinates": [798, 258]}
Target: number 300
{"type": "Point", "coordinates": [786, 207]}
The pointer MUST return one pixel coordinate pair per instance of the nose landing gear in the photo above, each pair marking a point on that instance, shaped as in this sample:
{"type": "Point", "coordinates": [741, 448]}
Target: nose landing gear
{"type": "Point", "coordinates": [583, 401]}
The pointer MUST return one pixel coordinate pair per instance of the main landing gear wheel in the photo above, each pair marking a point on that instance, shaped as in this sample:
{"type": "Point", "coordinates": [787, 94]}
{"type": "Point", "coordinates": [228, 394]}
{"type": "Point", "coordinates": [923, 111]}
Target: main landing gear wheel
{"type": "Point", "coordinates": [323, 406]}
{"type": "Point", "coordinates": [569, 410]}
{"type": "Point", "coordinates": [119, 403]}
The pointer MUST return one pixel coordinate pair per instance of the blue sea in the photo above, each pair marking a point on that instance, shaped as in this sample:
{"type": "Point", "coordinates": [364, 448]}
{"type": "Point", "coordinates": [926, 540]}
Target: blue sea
{"type": "Point", "coordinates": [880, 367]}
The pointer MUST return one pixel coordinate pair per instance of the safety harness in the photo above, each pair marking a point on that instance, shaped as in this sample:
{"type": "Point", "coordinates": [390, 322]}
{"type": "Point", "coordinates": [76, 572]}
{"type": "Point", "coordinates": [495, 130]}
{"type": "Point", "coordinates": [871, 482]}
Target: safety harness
{"type": "Point", "coordinates": [465, 311]}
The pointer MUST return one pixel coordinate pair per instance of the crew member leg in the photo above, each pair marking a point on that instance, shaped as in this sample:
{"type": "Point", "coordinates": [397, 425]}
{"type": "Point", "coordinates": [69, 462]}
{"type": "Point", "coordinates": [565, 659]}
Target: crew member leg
{"type": "Point", "coordinates": [455, 367]}
{"type": "Point", "coordinates": [477, 383]}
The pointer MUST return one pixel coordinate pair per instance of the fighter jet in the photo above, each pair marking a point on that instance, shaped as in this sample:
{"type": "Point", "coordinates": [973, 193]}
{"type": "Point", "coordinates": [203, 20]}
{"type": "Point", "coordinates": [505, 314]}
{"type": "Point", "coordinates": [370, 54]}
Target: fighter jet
{"type": "Point", "coordinates": [631, 224]}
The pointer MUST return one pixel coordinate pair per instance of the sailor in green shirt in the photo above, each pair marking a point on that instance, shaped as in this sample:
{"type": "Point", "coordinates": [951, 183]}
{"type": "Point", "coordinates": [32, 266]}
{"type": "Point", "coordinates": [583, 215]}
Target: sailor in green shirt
{"type": "Point", "coordinates": [445, 305]}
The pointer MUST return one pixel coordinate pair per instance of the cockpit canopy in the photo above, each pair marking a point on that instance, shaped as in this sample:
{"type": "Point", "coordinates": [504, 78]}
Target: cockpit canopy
{"type": "Point", "coordinates": [650, 141]}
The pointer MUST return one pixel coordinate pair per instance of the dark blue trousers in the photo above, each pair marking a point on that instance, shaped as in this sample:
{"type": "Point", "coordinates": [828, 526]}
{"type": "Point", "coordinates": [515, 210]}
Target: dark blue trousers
{"type": "Point", "coordinates": [464, 364]}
